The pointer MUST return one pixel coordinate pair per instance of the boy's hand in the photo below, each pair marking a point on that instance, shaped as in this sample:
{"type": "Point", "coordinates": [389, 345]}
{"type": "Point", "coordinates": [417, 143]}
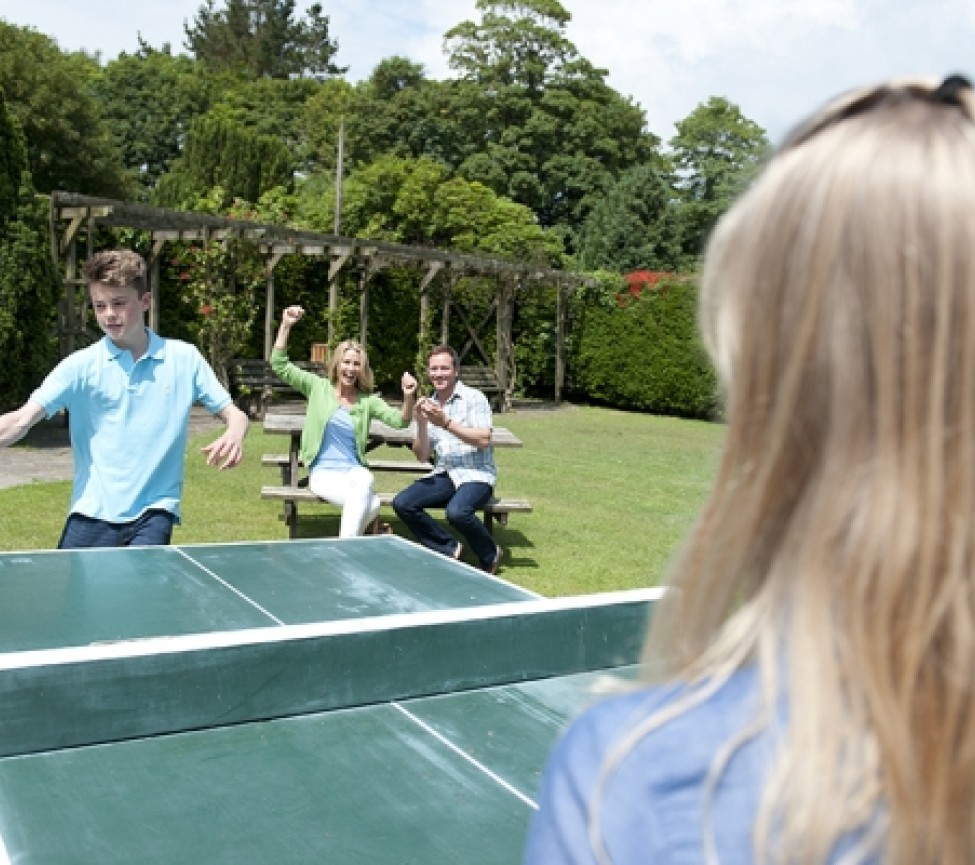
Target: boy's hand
{"type": "Point", "coordinates": [225, 451]}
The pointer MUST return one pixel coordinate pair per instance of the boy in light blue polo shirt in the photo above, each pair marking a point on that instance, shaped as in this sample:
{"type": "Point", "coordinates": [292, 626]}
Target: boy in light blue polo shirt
{"type": "Point", "coordinates": [128, 399]}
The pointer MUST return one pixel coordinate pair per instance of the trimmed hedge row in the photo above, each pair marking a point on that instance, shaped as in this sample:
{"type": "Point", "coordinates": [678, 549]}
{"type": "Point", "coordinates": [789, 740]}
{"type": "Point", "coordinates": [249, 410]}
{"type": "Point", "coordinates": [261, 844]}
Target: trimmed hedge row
{"type": "Point", "coordinates": [643, 352]}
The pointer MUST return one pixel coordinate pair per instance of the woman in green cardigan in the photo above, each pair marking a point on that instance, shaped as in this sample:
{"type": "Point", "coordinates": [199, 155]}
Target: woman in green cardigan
{"type": "Point", "coordinates": [340, 408]}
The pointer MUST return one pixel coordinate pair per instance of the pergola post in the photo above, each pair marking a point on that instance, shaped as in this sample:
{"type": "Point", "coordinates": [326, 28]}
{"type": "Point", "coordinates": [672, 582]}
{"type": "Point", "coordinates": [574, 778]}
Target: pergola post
{"type": "Point", "coordinates": [155, 283]}
{"type": "Point", "coordinates": [445, 318]}
{"type": "Point", "coordinates": [433, 268]}
{"type": "Point", "coordinates": [68, 344]}
{"type": "Point", "coordinates": [340, 255]}
{"type": "Point", "coordinates": [373, 264]}
{"type": "Point", "coordinates": [561, 313]}
{"type": "Point", "coordinates": [505, 360]}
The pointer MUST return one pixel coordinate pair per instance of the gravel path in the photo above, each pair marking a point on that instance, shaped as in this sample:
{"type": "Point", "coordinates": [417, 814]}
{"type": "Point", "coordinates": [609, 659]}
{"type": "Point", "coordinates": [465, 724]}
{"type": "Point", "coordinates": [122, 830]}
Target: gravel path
{"type": "Point", "coordinates": [45, 453]}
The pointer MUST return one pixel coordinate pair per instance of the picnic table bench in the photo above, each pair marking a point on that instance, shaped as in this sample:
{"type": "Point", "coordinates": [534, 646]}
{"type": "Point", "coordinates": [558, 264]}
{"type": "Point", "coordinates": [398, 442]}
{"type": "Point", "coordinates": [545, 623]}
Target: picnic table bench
{"type": "Point", "coordinates": [292, 491]}
{"type": "Point", "coordinates": [495, 511]}
{"type": "Point", "coordinates": [254, 385]}
{"type": "Point", "coordinates": [485, 380]}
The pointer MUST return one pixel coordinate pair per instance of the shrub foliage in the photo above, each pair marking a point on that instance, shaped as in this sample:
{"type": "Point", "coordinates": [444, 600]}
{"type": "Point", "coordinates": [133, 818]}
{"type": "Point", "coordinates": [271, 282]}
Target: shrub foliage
{"type": "Point", "coordinates": [640, 349]}
{"type": "Point", "coordinates": [28, 282]}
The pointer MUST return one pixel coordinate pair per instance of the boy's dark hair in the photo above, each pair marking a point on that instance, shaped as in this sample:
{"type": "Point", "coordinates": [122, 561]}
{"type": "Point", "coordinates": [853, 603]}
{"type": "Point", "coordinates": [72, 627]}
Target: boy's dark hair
{"type": "Point", "coordinates": [119, 268]}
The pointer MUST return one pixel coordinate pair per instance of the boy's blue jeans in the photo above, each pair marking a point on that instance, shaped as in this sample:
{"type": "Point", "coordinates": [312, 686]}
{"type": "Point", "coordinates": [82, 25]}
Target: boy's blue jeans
{"type": "Point", "coordinates": [462, 503]}
{"type": "Point", "coordinates": [153, 528]}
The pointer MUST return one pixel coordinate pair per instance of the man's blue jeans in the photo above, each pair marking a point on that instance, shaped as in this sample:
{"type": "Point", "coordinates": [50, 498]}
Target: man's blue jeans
{"type": "Point", "coordinates": [153, 528]}
{"type": "Point", "coordinates": [462, 503]}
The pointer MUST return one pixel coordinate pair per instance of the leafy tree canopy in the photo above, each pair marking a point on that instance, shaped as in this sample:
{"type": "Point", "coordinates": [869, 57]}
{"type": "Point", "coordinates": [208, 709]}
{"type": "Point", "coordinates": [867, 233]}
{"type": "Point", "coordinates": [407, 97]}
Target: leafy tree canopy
{"type": "Point", "coordinates": [717, 150]}
{"type": "Point", "coordinates": [545, 128]}
{"type": "Point", "coordinates": [517, 42]}
{"type": "Point", "coordinates": [634, 226]}
{"type": "Point", "coordinates": [415, 201]}
{"type": "Point", "coordinates": [149, 100]}
{"type": "Point", "coordinates": [222, 154]}
{"type": "Point", "coordinates": [13, 162]}
{"type": "Point", "coordinates": [272, 107]}
{"type": "Point", "coordinates": [28, 283]}
{"type": "Point", "coordinates": [335, 101]}
{"type": "Point", "coordinates": [262, 39]}
{"type": "Point", "coordinates": [48, 92]}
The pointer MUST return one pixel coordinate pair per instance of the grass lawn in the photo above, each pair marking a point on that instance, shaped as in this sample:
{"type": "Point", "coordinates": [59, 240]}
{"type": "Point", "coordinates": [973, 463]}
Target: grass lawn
{"type": "Point", "coordinates": [613, 494]}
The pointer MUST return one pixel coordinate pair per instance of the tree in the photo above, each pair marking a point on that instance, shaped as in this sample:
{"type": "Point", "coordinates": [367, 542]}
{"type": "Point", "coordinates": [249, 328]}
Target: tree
{"type": "Point", "coordinates": [545, 129]}
{"type": "Point", "coordinates": [49, 93]}
{"type": "Point", "coordinates": [221, 154]}
{"type": "Point", "coordinates": [518, 43]}
{"type": "Point", "coordinates": [417, 202]}
{"type": "Point", "coordinates": [261, 39]}
{"type": "Point", "coordinates": [149, 100]}
{"type": "Point", "coordinates": [397, 111]}
{"type": "Point", "coordinates": [271, 107]}
{"type": "Point", "coordinates": [28, 282]}
{"type": "Point", "coordinates": [717, 150]}
{"type": "Point", "coordinates": [634, 226]}
{"type": "Point", "coordinates": [321, 118]}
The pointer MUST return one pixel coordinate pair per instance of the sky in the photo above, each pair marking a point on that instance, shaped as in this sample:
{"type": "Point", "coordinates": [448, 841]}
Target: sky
{"type": "Point", "coordinates": [775, 59]}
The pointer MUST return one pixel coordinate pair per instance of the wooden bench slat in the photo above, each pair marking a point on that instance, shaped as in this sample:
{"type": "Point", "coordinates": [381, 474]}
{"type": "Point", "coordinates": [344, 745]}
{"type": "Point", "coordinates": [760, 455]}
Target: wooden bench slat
{"type": "Point", "coordinates": [305, 495]}
{"type": "Point", "coordinates": [279, 460]}
{"type": "Point", "coordinates": [495, 510]}
{"type": "Point", "coordinates": [484, 379]}
{"type": "Point", "coordinates": [400, 466]}
{"type": "Point", "coordinates": [275, 460]}
{"type": "Point", "coordinates": [253, 382]}
{"type": "Point", "coordinates": [481, 377]}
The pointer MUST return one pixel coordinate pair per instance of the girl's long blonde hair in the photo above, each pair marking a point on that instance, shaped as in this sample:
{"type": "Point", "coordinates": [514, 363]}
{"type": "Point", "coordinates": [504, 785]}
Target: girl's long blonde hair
{"type": "Point", "coordinates": [837, 548]}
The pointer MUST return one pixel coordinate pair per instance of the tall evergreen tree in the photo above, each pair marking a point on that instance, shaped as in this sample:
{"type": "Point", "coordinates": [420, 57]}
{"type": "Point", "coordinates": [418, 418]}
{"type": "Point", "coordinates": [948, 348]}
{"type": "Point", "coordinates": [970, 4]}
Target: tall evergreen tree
{"type": "Point", "coordinates": [635, 226]}
{"type": "Point", "coordinates": [262, 39]}
{"type": "Point", "coordinates": [222, 154]}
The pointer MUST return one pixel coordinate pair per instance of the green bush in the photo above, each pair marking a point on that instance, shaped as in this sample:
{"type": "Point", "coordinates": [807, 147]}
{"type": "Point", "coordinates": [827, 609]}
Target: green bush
{"type": "Point", "coordinates": [28, 281]}
{"type": "Point", "coordinates": [393, 332]}
{"type": "Point", "coordinates": [642, 352]}
{"type": "Point", "coordinates": [534, 334]}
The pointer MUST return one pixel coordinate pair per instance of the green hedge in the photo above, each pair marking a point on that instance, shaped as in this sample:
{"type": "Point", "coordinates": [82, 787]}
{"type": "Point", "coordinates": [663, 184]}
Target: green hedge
{"type": "Point", "coordinates": [642, 352]}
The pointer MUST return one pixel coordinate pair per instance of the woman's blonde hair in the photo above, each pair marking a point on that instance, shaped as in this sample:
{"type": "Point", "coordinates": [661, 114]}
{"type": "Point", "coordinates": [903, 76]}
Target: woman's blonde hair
{"type": "Point", "coordinates": [837, 548]}
{"type": "Point", "coordinates": [365, 381]}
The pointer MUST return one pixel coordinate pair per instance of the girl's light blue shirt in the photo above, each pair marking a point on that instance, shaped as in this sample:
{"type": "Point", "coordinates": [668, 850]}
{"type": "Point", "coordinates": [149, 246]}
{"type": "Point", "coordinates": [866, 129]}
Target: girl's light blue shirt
{"type": "Point", "coordinates": [654, 806]}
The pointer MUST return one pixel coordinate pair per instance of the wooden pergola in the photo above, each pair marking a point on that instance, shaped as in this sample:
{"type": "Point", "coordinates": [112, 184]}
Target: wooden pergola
{"type": "Point", "coordinates": [70, 213]}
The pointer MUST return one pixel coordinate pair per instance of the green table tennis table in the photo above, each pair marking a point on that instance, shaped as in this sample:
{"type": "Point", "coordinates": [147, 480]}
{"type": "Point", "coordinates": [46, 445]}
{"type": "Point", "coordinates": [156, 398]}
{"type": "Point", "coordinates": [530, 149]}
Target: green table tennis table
{"type": "Point", "coordinates": [325, 701]}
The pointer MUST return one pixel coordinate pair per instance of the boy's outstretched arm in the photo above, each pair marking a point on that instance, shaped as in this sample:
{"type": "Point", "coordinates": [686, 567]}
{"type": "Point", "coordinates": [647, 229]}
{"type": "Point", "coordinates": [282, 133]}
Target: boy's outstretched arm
{"type": "Point", "coordinates": [228, 449]}
{"type": "Point", "coordinates": [15, 424]}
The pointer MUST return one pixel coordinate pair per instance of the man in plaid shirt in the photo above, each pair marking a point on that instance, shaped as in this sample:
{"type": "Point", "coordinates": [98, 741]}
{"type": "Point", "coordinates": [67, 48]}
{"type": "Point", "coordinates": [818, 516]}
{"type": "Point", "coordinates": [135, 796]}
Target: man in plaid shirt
{"type": "Point", "coordinates": [454, 433]}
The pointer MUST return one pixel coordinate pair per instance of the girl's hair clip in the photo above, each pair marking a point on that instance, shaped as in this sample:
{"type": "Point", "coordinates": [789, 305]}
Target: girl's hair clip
{"type": "Point", "coordinates": [948, 90]}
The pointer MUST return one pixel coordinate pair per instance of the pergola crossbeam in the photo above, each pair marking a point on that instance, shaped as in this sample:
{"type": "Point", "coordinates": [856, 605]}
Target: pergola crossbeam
{"type": "Point", "coordinates": [71, 212]}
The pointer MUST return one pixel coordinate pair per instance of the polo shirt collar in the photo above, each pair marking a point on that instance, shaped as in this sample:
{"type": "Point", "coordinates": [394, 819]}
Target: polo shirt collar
{"type": "Point", "coordinates": [155, 349]}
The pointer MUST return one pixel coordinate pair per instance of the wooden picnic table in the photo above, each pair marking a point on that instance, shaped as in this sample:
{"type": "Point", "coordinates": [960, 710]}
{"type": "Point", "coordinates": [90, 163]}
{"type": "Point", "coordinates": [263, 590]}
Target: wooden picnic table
{"type": "Point", "coordinates": [291, 493]}
{"type": "Point", "coordinates": [290, 424]}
